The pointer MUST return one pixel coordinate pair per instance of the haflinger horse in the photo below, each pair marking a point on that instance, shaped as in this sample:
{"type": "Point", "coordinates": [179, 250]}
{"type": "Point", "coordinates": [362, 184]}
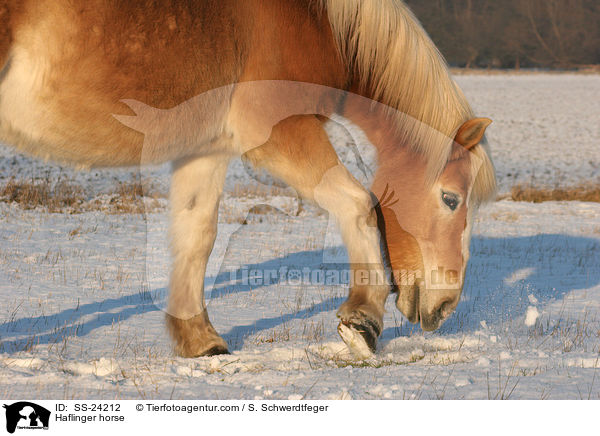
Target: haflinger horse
{"type": "Point", "coordinates": [98, 83]}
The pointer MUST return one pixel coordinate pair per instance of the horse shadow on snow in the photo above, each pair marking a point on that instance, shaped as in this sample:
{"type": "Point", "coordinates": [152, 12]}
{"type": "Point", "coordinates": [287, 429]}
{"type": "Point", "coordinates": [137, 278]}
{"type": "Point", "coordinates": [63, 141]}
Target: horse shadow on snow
{"type": "Point", "coordinates": [504, 277]}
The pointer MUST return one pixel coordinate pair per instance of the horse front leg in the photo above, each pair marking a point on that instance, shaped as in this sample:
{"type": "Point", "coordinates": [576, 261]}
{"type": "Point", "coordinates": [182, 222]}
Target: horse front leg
{"type": "Point", "coordinates": [196, 188]}
{"type": "Point", "coordinates": [299, 153]}
{"type": "Point", "coordinates": [361, 315]}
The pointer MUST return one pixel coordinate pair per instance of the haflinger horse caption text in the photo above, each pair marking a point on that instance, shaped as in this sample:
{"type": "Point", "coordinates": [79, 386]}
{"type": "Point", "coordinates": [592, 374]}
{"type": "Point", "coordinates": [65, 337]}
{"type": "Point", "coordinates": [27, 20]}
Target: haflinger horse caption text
{"type": "Point", "coordinates": [268, 417]}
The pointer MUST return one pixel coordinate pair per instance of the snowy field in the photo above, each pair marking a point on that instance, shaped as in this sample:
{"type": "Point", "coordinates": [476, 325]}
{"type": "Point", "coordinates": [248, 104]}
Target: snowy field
{"type": "Point", "coordinates": [82, 294]}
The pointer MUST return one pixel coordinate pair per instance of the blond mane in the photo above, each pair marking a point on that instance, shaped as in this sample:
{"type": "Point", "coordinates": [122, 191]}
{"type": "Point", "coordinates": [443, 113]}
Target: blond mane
{"type": "Point", "coordinates": [400, 66]}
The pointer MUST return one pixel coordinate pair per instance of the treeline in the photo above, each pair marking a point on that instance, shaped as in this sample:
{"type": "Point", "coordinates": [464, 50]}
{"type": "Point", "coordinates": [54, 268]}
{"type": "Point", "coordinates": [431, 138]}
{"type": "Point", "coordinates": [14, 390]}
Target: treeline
{"type": "Point", "coordinates": [513, 33]}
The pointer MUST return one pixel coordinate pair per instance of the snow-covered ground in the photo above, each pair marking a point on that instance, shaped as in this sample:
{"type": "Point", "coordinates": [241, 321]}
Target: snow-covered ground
{"type": "Point", "coordinates": [546, 128]}
{"type": "Point", "coordinates": [82, 294]}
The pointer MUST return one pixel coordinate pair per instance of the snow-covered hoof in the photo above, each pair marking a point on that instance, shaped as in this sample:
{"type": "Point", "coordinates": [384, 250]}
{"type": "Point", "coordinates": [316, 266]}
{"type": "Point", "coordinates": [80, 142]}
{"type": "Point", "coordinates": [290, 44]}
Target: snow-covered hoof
{"type": "Point", "coordinates": [361, 338]}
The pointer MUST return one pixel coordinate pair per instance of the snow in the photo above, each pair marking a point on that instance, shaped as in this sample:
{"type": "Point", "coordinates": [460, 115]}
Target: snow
{"type": "Point", "coordinates": [81, 313]}
{"type": "Point", "coordinates": [545, 128]}
{"type": "Point", "coordinates": [531, 316]}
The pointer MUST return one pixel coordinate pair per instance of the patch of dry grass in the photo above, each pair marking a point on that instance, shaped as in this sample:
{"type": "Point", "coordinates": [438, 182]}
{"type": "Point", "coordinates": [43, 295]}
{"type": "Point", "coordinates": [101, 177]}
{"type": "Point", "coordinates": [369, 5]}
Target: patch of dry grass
{"type": "Point", "coordinates": [67, 197]}
{"type": "Point", "coordinates": [128, 197]}
{"type": "Point", "coordinates": [583, 192]}
{"type": "Point", "coordinates": [31, 194]}
{"type": "Point", "coordinates": [259, 190]}
{"type": "Point", "coordinates": [583, 70]}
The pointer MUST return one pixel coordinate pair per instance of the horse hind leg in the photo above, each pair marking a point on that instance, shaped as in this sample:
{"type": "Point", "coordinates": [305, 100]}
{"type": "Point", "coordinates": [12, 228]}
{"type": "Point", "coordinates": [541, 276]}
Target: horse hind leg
{"type": "Point", "coordinates": [196, 188]}
{"type": "Point", "coordinates": [299, 153]}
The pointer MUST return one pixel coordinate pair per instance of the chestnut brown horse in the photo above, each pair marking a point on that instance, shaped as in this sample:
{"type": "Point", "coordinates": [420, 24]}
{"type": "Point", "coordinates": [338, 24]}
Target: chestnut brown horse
{"type": "Point", "coordinates": [198, 82]}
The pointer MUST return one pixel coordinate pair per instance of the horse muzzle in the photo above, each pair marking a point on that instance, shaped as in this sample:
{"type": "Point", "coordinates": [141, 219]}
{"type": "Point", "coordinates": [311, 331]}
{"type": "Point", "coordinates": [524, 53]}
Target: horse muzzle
{"type": "Point", "coordinates": [432, 320]}
{"type": "Point", "coordinates": [410, 302]}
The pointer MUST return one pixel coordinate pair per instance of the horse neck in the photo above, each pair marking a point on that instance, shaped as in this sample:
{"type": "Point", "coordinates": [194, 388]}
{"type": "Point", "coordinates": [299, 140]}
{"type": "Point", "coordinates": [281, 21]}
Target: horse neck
{"type": "Point", "coordinates": [377, 122]}
{"type": "Point", "coordinates": [413, 128]}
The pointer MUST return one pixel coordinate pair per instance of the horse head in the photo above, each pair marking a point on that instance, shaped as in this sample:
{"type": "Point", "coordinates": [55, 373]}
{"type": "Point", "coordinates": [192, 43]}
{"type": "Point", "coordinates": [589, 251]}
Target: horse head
{"type": "Point", "coordinates": [427, 224]}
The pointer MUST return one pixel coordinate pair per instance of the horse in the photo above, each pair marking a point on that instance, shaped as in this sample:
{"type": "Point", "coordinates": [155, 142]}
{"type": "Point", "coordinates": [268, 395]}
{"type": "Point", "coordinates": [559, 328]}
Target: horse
{"type": "Point", "coordinates": [96, 83]}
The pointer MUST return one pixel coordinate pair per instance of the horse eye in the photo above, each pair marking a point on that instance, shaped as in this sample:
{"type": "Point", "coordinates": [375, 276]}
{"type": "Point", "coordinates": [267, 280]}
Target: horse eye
{"type": "Point", "coordinates": [450, 200]}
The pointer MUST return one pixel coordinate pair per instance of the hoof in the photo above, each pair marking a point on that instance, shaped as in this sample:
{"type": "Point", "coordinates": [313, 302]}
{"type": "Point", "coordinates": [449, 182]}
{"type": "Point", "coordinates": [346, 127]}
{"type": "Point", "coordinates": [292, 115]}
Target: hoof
{"type": "Point", "coordinates": [215, 351]}
{"type": "Point", "coordinates": [185, 350]}
{"type": "Point", "coordinates": [360, 337]}
{"type": "Point", "coordinates": [195, 337]}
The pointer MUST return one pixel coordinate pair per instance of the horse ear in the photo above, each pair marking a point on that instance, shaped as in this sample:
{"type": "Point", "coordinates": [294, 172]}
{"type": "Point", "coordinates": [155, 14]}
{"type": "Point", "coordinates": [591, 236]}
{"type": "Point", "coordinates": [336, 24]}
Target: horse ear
{"type": "Point", "coordinates": [471, 132]}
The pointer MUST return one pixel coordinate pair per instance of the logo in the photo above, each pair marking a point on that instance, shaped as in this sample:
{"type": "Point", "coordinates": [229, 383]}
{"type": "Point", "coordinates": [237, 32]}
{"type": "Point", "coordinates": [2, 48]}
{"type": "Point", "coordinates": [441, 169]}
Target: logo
{"type": "Point", "coordinates": [25, 415]}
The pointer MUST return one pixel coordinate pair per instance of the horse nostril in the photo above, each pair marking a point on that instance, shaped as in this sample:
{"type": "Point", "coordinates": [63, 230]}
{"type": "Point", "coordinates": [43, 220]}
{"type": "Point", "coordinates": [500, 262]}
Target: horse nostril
{"type": "Point", "coordinates": [444, 309]}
